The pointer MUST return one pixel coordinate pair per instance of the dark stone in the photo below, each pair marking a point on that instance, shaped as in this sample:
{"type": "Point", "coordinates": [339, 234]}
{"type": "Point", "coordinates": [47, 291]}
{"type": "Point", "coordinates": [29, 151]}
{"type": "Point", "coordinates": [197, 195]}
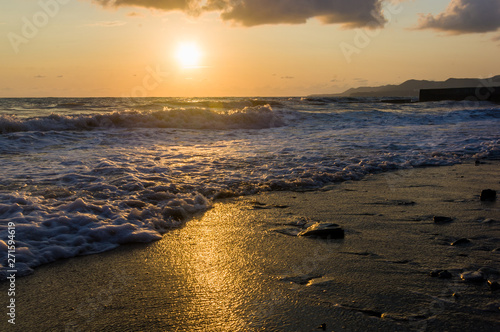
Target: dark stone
{"type": "Point", "coordinates": [288, 231]}
{"type": "Point", "coordinates": [400, 202]}
{"type": "Point", "coordinates": [302, 279]}
{"type": "Point", "coordinates": [373, 313]}
{"type": "Point", "coordinates": [442, 274]}
{"type": "Point", "coordinates": [488, 195]}
{"type": "Point", "coordinates": [404, 202]}
{"type": "Point", "coordinates": [435, 273]}
{"type": "Point", "coordinates": [323, 231]}
{"type": "Point", "coordinates": [322, 327]}
{"type": "Point", "coordinates": [494, 285]}
{"type": "Point", "coordinates": [460, 242]}
{"type": "Point", "coordinates": [441, 219]}
{"type": "Point", "coordinates": [487, 221]}
{"type": "Point", "coordinates": [472, 276]}
{"type": "Point", "coordinates": [489, 271]}
{"type": "Point", "coordinates": [260, 207]}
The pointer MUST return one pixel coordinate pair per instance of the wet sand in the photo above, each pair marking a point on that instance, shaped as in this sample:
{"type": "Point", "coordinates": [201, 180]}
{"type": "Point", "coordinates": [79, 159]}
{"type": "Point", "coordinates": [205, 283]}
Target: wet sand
{"type": "Point", "coordinates": [236, 269]}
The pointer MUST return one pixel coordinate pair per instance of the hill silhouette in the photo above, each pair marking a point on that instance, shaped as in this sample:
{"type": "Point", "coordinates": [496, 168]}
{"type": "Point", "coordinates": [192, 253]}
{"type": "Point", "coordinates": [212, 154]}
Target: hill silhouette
{"type": "Point", "coordinates": [412, 87]}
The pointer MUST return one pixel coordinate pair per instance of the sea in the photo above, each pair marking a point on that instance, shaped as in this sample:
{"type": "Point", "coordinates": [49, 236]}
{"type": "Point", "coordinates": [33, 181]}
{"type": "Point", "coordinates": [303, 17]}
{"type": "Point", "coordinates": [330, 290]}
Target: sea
{"type": "Point", "coordinates": [84, 175]}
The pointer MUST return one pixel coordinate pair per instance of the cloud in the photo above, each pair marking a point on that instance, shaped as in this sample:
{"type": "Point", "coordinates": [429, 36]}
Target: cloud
{"type": "Point", "coordinates": [287, 77]}
{"type": "Point", "coordinates": [107, 24]}
{"type": "Point", "coordinates": [135, 14]}
{"type": "Point", "coordinates": [350, 14]}
{"type": "Point", "coordinates": [167, 5]}
{"type": "Point", "coordinates": [354, 13]}
{"type": "Point", "coordinates": [465, 16]}
{"type": "Point", "coordinates": [39, 76]}
{"type": "Point", "coordinates": [361, 80]}
{"type": "Point", "coordinates": [496, 39]}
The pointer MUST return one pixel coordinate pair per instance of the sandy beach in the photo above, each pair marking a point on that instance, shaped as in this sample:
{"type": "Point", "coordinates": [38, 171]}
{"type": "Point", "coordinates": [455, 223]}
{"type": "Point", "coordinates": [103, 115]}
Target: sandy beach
{"type": "Point", "coordinates": [236, 269]}
{"type": "Point", "coordinates": [248, 166]}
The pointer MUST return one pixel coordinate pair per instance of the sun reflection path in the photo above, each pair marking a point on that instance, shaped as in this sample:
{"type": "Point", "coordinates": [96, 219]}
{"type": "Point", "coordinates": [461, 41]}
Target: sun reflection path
{"type": "Point", "coordinates": [215, 269]}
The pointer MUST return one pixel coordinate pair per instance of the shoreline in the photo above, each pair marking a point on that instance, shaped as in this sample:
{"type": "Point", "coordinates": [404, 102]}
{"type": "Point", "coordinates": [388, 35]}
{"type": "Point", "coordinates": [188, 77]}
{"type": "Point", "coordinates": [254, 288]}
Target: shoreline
{"type": "Point", "coordinates": [234, 269]}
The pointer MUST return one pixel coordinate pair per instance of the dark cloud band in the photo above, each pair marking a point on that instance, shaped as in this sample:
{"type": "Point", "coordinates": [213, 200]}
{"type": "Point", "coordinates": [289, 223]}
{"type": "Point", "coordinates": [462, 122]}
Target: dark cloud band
{"type": "Point", "coordinates": [352, 13]}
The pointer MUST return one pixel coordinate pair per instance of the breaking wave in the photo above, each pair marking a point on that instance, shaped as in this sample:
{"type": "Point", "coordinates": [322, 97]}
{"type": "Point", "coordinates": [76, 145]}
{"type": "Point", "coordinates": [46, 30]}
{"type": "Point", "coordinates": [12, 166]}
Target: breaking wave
{"type": "Point", "coordinates": [250, 117]}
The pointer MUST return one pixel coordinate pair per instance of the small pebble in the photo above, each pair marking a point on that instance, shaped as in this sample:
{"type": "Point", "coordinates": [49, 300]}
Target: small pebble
{"type": "Point", "coordinates": [461, 241]}
{"type": "Point", "coordinates": [488, 271]}
{"type": "Point", "coordinates": [488, 195]}
{"type": "Point", "coordinates": [472, 276]}
{"type": "Point", "coordinates": [494, 285]}
{"type": "Point", "coordinates": [434, 273]}
{"type": "Point", "coordinates": [441, 219]}
{"type": "Point", "coordinates": [442, 274]}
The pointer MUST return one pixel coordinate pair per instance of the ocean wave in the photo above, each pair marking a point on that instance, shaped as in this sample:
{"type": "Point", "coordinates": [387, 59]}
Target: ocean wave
{"type": "Point", "coordinates": [250, 117]}
{"type": "Point", "coordinates": [214, 103]}
{"type": "Point", "coordinates": [331, 100]}
{"type": "Point", "coordinates": [75, 190]}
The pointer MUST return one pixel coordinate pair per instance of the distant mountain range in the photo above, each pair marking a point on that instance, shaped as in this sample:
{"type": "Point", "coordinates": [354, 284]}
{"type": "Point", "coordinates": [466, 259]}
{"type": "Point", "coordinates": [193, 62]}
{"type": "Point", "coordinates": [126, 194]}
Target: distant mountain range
{"type": "Point", "coordinates": [411, 88]}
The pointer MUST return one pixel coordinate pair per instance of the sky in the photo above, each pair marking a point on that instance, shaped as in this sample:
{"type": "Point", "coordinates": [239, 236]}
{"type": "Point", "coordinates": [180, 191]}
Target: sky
{"type": "Point", "coordinates": [223, 48]}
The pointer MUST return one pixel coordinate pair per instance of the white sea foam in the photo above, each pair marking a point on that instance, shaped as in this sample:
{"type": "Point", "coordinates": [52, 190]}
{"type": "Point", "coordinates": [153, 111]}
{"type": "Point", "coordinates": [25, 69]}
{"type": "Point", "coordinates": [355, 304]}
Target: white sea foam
{"type": "Point", "coordinates": [47, 230]}
{"type": "Point", "coordinates": [91, 177]}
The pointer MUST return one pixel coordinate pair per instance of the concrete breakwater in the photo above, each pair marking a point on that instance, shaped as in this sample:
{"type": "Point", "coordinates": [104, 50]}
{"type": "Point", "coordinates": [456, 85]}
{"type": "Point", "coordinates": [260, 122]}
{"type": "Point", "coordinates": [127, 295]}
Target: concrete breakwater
{"type": "Point", "coordinates": [482, 93]}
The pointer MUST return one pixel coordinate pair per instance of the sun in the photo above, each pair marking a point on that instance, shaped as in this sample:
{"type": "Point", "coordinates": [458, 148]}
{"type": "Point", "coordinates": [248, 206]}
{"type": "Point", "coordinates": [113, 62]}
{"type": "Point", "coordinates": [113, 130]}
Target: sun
{"type": "Point", "coordinates": [188, 54]}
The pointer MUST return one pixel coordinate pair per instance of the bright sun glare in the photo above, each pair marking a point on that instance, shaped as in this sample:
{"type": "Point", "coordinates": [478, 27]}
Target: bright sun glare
{"type": "Point", "coordinates": [188, 55]}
